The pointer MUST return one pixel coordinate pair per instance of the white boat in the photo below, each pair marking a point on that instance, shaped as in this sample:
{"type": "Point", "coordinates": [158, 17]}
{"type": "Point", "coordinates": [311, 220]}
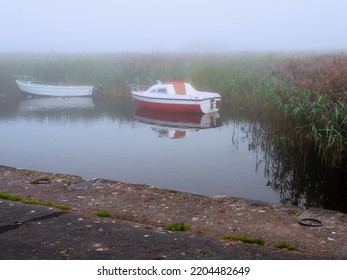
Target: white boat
{"type": "Point", "coordinates": [28, 85]}
{"type": "Point", "coordinates": [176, 97]}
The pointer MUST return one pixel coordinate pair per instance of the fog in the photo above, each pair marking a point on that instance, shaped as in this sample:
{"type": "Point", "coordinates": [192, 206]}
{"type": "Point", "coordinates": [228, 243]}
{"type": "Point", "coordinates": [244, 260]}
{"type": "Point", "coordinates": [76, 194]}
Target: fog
{"type": "Point", "coordinates": [180, 25]}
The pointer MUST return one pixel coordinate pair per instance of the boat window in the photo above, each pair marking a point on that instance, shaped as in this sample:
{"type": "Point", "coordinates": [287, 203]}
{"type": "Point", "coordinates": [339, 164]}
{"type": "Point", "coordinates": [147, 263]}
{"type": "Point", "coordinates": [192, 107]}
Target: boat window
{"type": "Point", "coordinates": [153, 90]}
{"type": "Point", "coordinates": [161, 90]}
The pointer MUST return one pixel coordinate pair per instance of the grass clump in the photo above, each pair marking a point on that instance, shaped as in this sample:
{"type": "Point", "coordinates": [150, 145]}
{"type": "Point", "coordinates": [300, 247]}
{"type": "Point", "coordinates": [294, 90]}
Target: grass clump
{"type": "Point", "coordinates": [52, 204]}
{"type": "Point", "coordinates": [63, 207]}
{"type": "Point", "coordinates": [12, 197]}
{"type": "Point", "coordinates": [48, 203]}
{"type": "Point", "coordinates": [177, 227]}
{"type": "Point", "coordinates": [285, 245]}
{"type": "Point", "coordinates": [9, 196]}
{"type": "Point", "coordinates": [30, 201]}
{"type": "Point", "coordinates": [245, 239]}
{"type": "Point", "coordinates": [104, 214]}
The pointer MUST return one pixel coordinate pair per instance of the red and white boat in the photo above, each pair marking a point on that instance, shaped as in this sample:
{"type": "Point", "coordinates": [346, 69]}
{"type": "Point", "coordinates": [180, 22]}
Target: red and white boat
{"type": "Point", "coordinates": [176, 97]}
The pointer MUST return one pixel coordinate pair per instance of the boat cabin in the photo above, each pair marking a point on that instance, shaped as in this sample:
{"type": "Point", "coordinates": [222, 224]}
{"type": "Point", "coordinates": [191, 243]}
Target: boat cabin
{"type": "Point", "coordinates": [179, 87]}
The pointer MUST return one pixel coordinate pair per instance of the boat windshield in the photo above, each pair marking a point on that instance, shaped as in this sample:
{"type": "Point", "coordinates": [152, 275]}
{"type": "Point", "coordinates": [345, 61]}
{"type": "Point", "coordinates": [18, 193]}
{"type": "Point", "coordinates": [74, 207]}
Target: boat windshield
{"type": "Point", "coordinates": [161, 90]}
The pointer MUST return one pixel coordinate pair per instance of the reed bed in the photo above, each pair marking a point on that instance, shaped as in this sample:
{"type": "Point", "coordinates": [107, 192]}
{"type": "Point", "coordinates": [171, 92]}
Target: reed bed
{"type": "Point", "coordinates": [312, 93]}
{"type": "Point", "coordinates": [309, 91]}
{"type": "Point", "coordinates": [225, 73]}
{"type": "Point", "coordinates": [115, 71]}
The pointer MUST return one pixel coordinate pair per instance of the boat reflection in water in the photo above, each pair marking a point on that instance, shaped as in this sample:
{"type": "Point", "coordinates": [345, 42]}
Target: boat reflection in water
{"type": "Point", "coordinates": [54, 103]}
{"type": "Point", "coordinates": [176, 126]}
{"type": "Point", "coordinates": [57, 109]}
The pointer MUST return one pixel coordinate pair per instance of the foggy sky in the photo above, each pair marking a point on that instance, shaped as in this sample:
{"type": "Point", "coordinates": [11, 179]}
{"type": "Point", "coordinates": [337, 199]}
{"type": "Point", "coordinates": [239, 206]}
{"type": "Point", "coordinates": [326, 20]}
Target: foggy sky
{"type": "Point", "coordinates": [175, 25]}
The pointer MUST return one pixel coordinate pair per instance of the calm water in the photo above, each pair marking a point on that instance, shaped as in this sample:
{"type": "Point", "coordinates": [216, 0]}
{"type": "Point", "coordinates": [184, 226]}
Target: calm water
{"type": "Point", "coordinates": [221, 154]}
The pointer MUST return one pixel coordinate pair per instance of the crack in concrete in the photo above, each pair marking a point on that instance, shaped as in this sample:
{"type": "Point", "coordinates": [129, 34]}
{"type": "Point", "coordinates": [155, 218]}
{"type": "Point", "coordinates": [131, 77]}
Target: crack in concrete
{"type": "Point", "coordinates": [18, 224]}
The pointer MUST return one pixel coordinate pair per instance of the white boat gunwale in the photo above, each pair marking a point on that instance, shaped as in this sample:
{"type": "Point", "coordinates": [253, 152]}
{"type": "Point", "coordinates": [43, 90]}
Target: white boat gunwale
{"type": "Point", "coordinates": [39, 84]}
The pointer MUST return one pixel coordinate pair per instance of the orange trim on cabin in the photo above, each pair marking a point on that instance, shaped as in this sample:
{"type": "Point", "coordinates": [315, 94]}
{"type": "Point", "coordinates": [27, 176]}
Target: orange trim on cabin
{"type": "Point", "coordinates": [179, 86]}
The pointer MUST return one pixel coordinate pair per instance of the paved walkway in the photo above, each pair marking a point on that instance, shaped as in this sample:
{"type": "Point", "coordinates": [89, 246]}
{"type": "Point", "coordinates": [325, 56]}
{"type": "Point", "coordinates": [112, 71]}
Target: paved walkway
{"type": "Point", "coordinates": [38, 232]}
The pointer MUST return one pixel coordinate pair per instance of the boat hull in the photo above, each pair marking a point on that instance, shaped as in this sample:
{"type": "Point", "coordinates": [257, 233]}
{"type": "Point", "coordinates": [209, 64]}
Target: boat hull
{"type": "Point", "coordinates": [54, 90]}
{"type": "Point", "coordinates": [172, 120]}
{"type": "Point", "coordinates": [182, 105]}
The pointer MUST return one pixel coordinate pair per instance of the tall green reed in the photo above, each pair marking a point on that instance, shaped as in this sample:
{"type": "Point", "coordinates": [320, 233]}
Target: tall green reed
{"type": "Point", "coordinates": [312, 92]}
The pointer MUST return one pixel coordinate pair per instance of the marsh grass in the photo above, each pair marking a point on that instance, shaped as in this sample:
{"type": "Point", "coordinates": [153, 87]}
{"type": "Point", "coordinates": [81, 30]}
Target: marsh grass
{"type": "Point", "coordinates": [114, 71]}
{"type": "Point", "coordinates": [312, 92]}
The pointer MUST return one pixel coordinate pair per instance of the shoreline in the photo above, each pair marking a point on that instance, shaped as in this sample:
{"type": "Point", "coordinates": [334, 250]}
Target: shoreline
{"type": "Point", "coordinates": [223, 218]}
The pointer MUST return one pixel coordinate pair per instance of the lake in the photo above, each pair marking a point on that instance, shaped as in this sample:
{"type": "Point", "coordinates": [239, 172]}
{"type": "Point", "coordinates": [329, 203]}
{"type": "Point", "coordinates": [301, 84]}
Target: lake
{"type": "Point", "coordinates": [226, 153]}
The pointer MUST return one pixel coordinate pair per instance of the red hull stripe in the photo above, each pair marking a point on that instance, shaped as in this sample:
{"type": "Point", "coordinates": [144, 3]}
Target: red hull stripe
{"type": "Point", "coordinates": [173, 99]}
{"type": "Point", "coordinates": [194, 108]}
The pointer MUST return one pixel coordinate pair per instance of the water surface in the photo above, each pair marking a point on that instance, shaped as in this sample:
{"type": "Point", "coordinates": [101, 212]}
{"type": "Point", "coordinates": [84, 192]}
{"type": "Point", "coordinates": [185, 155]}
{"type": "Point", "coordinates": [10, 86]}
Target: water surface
{"type": "Point", "coordinates": [220, 154]}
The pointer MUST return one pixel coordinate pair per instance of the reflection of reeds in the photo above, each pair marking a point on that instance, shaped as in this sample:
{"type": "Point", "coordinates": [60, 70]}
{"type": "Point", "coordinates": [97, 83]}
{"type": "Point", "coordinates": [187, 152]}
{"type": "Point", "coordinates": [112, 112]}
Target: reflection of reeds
{"type": "Point", "coordinates": [271, 137]}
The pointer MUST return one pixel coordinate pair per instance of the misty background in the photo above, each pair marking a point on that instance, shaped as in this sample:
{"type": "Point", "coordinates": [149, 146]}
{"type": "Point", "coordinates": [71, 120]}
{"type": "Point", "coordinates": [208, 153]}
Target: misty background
{"type": "Point", "coordinates": [180, 25]}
